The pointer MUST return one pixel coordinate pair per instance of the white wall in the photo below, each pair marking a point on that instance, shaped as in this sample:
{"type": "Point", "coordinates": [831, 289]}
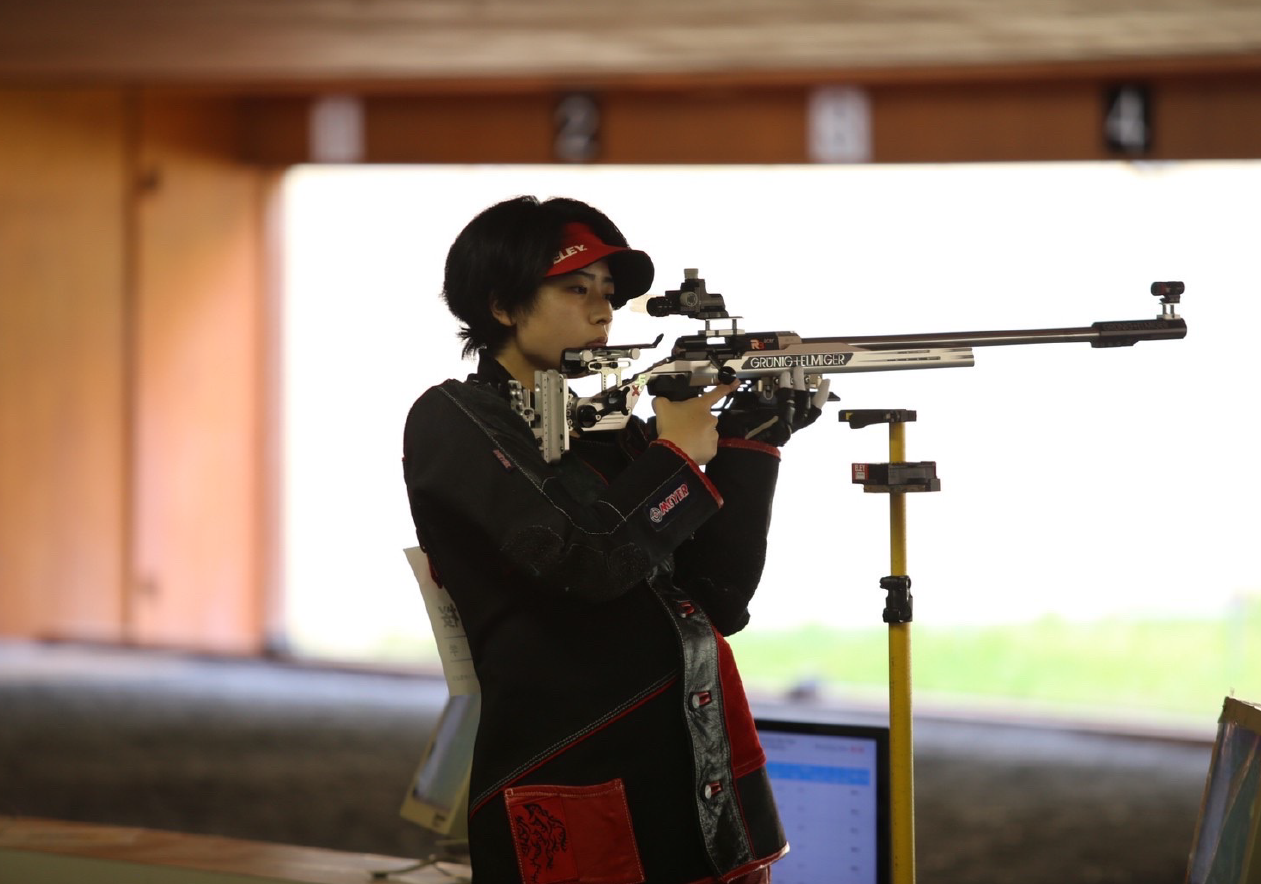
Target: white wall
{"type": "Point", "coordinates": [1075, 481]}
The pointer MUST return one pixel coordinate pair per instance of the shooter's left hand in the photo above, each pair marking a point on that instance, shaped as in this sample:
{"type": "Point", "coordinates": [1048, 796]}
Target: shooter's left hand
{"type": "Point", "coordinates": [794, 407]}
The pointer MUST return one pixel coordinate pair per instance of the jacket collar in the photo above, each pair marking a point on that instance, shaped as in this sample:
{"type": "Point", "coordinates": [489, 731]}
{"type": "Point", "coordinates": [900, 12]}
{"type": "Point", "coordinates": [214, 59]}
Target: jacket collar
{"type": "Point", "coordinates": [490, 373]}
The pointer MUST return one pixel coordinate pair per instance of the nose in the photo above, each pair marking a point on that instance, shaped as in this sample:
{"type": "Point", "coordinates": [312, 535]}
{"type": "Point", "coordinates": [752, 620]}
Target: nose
{"type": "Point", "coordinates": [601, 310]}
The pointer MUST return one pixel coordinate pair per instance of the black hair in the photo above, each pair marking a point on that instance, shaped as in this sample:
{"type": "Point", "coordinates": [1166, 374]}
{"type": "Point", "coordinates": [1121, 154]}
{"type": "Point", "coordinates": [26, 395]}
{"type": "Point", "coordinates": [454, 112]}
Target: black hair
{"type": "Point", "coordinates": [501, 257]}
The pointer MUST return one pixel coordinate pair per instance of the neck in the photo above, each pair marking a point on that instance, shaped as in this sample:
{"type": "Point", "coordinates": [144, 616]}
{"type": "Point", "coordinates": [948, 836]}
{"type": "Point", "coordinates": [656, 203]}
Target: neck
{"type": "Point", "coordinates": [517, 366]}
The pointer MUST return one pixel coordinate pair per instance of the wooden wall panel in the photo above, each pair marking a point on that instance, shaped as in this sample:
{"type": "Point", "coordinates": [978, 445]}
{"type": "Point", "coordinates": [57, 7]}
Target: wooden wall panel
{"type": "Point", "coordinates": [198, 449]}
{"type": "Point", "coordinates": [973, 122]}
{"type": "Point", "coordinates": [719, 126]}
{"type": "Point", "coordinates": [1011, 118]}
{"type": "Point", "coordinates": [457, 129]}
{"type": "Point", "coordinates": [275, 130]}
{"type": "Point", "coordinates": [1216, 118]}
{"type": "Point", "coordinates": [672, 126]}
{"type": "Point", "coordinates": [63, 410]}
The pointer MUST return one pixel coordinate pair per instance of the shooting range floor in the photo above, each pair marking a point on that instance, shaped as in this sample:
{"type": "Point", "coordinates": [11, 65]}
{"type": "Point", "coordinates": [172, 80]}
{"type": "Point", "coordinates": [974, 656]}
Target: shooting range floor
{"type": "Point", "coordinates": [307, 755]}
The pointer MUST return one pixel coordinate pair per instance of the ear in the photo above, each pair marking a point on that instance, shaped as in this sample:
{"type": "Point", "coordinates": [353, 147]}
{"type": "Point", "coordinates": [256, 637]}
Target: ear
{"type": "Point", "coordinates": [502, 315]}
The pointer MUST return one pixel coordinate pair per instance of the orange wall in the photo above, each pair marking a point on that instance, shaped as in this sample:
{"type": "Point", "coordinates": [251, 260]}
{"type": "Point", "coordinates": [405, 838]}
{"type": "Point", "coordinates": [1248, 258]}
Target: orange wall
{"type": "Point", "coordinates": [130, 347]}
{"type": "Point", "coordinates": [197, 351]}
{"type": "Point", "coordinates": [63, 402]}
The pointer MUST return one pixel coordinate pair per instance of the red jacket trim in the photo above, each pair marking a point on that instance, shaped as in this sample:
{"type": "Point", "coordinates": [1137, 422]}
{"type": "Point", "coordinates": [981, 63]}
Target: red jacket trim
{"type": "Point", "coordinates": [747, 754]}
{"type": "Point", "coordinates": [750, 444]}
{"type": "Point", "coordinates": [696, 468]}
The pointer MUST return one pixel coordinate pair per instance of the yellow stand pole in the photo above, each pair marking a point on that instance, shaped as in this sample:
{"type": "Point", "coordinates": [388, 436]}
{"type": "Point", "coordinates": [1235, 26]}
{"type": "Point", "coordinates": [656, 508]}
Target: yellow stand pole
{"type": "Point", "coordinates": [897, 478]}
{"type": "Point", "coordinates": [901, 750]}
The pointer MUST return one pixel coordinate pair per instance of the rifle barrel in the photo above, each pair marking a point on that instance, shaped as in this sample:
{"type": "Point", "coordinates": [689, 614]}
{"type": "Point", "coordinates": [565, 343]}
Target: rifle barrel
{"type": "Point", "coordinates": [1101, 334]}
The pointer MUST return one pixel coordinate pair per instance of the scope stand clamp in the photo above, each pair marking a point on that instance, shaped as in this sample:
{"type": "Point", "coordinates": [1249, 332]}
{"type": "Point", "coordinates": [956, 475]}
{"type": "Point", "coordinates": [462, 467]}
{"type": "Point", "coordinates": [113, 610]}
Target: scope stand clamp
{"type": "Point", "coordinates": [897, 478]}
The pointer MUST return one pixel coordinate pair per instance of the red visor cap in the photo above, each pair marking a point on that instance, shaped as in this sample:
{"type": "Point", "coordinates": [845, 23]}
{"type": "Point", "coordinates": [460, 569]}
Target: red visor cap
{"type": "Point", "coordinates": [579, 246]}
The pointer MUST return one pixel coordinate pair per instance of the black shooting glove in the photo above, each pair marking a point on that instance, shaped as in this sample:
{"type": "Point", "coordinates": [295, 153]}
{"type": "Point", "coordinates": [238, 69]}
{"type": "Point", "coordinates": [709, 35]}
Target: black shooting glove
{"type": "Point", "coordinates": [772, 422]}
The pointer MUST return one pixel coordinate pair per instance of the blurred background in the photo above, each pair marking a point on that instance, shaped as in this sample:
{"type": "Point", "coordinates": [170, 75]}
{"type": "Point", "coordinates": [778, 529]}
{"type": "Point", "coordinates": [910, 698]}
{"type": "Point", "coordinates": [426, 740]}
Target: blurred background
{"type": "Point", "coordinates": [1062, 548]}
{"type": "Point", "coordinates": [221, 238]}
{"type": "Point", "coordinates": [222, 228]}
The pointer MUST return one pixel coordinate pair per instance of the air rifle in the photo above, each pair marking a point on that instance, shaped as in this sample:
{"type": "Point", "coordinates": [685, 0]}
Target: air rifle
{"type": "Point", "coordinates": [769, 361]}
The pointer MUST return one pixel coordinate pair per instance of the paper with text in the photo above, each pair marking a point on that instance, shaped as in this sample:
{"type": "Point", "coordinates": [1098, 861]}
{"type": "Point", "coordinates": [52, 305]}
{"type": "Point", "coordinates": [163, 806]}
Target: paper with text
{"type": "Point", "coordinates": [448, 628]}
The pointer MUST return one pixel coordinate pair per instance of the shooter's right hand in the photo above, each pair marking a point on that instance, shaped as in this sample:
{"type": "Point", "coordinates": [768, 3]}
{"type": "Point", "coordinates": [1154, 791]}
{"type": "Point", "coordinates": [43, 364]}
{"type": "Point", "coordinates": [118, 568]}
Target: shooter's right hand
{"type": "Point", "coordinates": [689, 425]}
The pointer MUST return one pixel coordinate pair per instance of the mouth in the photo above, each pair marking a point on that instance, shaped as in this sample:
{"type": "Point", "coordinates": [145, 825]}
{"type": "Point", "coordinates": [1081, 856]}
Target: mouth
{"type": "Point", "coordinates": [597, 342]}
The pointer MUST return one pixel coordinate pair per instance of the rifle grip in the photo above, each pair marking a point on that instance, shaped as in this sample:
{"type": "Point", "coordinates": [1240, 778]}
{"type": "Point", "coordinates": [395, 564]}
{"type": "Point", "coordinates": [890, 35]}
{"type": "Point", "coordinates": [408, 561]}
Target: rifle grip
{"type": "Point", "coordinates": [675, 387]}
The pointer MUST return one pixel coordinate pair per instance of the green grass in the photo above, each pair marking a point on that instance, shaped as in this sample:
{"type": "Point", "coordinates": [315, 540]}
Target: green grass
{"type": "Point", "coordinates": [1178, 667]}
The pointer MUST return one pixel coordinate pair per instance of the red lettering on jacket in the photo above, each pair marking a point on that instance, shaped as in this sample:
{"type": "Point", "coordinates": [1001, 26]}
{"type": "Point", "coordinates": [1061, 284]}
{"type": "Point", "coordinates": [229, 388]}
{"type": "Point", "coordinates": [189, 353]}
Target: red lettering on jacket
{"type": "Point", "coordinates": [658, 512]}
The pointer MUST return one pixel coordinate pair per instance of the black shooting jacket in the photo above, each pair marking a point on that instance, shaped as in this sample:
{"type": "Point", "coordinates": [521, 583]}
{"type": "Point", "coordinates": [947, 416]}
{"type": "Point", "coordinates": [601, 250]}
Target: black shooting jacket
{"type": "Point", "coordinates": [615, 742]}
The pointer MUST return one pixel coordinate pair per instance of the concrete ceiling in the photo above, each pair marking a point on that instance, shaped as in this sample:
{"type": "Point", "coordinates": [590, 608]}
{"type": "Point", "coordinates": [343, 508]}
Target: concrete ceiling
{"type": "Point", "coordinates": [296, 41]}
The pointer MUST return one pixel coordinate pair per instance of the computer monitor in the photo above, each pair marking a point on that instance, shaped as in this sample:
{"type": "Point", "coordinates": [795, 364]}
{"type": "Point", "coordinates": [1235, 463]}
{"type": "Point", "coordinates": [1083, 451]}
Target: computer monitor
{"type": "Point", "coordinates": [437, 797]}
{"type": "Point", "coordinates": [831, 785]}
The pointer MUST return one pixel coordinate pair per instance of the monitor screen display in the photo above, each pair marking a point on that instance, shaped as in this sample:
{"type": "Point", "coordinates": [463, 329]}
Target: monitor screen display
{"type": "Point", "coordinates": [831, 787]}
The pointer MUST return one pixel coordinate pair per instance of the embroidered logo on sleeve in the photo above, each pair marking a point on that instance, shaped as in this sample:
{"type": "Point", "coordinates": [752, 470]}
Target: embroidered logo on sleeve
{"type": "Point", "coordinates": [671, 502]}
{"type": "Point", "coordinates": [503, 458]}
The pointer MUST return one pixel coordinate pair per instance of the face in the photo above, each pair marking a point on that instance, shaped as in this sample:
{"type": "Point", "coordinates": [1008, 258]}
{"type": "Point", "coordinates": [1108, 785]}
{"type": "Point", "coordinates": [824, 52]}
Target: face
{"type": "Point", "coordinates": [569, 312]}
